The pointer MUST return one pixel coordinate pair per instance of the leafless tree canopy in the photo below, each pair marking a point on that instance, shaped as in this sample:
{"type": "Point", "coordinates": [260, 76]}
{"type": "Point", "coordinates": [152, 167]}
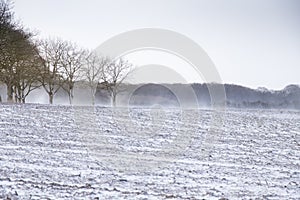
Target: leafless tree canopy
{"type": "Point", "coordinates": [113, 75]}
{"type": "Point", "coordinates": [73, 59]}
{"type": "Point", "coordinates": [52, 52]}
{"type": "Point", "coordinates": [92, 72]}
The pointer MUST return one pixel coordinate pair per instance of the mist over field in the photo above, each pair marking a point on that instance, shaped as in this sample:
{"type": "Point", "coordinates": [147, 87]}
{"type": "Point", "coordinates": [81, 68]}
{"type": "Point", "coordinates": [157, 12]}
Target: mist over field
{"type": "Point", "coordinates": [162, 94]}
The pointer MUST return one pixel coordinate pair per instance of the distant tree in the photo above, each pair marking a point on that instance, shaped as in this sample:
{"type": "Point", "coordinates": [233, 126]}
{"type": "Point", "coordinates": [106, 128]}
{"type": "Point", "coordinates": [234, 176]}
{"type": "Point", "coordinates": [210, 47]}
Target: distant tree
{"type": "Point", "coordinates": [51, 52]}
{"type": "Point", "coordinates": [73, 59]}
{"type": "Point", "coordinates": [92, 72]}
{"type": "Point", "coordinates": [113, 75]}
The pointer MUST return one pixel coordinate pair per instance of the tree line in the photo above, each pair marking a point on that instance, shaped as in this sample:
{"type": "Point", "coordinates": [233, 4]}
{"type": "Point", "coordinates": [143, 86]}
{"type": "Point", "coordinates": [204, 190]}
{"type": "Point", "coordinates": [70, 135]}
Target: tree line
{"type": "Point", "coordinates": [52, 64]}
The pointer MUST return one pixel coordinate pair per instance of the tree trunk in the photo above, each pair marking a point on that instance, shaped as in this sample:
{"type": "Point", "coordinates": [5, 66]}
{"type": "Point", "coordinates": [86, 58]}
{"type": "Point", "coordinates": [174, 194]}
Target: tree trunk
{"type": "Point", "coordinates": [114, 99]}
{"type": "Point", "coordinates": [93, 93]}
{"type": "Point", "coordinates": [93, 99]}
{"type": "Point", "coordinates": [22, 97]}
{"type": "Point", "coordinates": [9, 93]}
{"type": "Point", "coordinates": [70, 99]}
{"type": "Point", "coordinates": [71, 96]}
{"type": "Point", "coordinates": [51, 98]}
{"type": "Point", "coordinates": [17, 99]}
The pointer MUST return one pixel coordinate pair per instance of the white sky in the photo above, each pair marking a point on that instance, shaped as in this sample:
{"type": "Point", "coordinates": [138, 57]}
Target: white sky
{"type": "Point", "coordinates": [252, 42]}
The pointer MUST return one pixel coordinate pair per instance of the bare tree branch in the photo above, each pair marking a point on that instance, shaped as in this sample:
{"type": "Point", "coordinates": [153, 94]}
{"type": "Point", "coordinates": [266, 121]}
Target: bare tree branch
{"type": "Point", "coordinates": [73, 59]}
{"type": "Point", "coordinates": [113, 75]}
{"type": "Point", "coordinates": [92, 72]}
{"type": "Point", "coordinates": [51, 51]}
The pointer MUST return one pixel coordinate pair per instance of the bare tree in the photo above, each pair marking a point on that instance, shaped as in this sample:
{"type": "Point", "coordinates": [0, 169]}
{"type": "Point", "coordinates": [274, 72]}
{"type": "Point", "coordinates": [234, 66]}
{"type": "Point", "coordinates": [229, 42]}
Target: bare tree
{"type": "Point", "coordinates": [51, 51]}
{"type": "Point", "coordinates": [92, 72]}
{"type": "Point", "coordinates": [21, 67]}
{"type": "Point", "coordinates": [27, 71]}
{"type": "Point", "coordinates": [7, 33]}
{"type": "Point", "coordinates": [73, 59]}
{"type": "Point", "coordinates": [113, 75]}
{"type": "Point", "coordinates": [18, 62]}
{"type": "Point", "coordinates": [13, 39]}
{"type": "Point", "coordinates": [6, 14]}
{"type": "Point", "coordinates": [7, 61]}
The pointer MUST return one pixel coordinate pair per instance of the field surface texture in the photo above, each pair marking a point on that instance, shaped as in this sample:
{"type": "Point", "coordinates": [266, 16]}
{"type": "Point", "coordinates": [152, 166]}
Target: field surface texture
{"type": "Point", "coordinates": [65, 152]}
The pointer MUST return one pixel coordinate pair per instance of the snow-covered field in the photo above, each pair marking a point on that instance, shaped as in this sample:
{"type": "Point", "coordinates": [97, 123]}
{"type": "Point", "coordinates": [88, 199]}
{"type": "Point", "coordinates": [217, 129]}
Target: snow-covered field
{"type": "Point", "coordinates": [64, 152]}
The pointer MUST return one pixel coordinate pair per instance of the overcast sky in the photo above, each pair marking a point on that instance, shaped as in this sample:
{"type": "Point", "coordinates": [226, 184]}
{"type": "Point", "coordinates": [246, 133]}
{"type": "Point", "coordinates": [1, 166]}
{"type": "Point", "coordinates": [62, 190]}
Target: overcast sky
{"type": "Point", "coordinates": [253, 43]}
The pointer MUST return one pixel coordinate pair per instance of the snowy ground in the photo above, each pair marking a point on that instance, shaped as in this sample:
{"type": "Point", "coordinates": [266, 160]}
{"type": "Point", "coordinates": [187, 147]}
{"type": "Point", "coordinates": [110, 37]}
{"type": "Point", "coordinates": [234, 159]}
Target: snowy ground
{"type": "Point", "coordinates": [63, 152]}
